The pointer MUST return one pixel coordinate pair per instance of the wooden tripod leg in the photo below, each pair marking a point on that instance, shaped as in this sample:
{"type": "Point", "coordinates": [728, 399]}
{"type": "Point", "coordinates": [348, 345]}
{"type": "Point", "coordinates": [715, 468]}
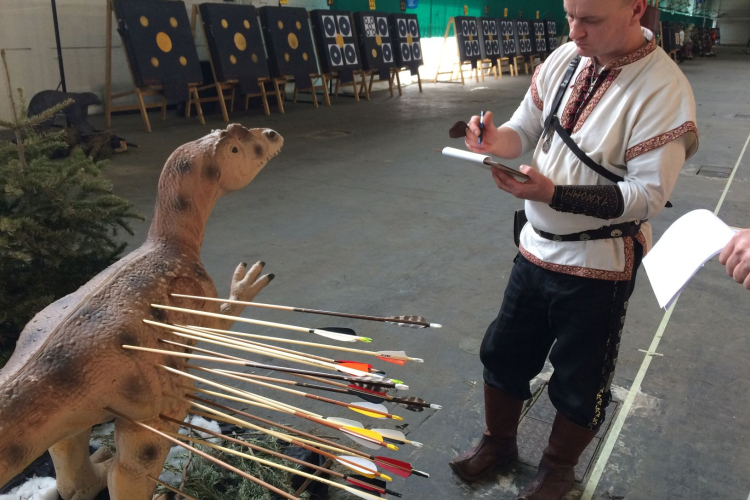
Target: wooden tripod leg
{"type": "Point", "coordinates": [294, 96]}
{"type": "Point", "coordinates": [326, 97]}
{"type": "Point", "coordinates": [222, 102]}
{"type": "Point", "coordinates": [199, 108]}
{"type": "Point", "coordinates": [264, 96]}
{"type": "Point", "coordinates": [364, 85]}
{"type": "Point", "coordinates": [189, 104]}
{"type": "Point", "coordinates": [163, 109]}
{"type": "Point", "coordinates": [314, 90]}
{"type": "Point", "coordinates": [142, 107]}
{"type": "Point", "coordinates": [419, 81]}
{"type": "Point", "coordinates": [231, 105]}
{"type": "Point", "coordinates": [398, 81]}
{"type": "Point", "coordinates": [279, 100]}
{"type": "Point", "coordinates": [354, 86]}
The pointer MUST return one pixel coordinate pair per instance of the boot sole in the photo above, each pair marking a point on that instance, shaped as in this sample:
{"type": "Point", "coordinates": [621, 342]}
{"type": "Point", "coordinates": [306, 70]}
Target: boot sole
{"type": "Point", "coordinates": [484, 473]}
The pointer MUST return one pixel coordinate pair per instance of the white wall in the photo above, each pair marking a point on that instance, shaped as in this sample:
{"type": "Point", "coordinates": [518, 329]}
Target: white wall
{"type": "Point", "coordinates": [734, 21]}
{"type": "Point", "coordinates": [27, 35]}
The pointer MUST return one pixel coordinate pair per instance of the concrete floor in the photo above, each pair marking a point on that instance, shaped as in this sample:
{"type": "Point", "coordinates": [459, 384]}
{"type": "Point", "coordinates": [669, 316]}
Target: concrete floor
{"type": "Point", "coordinates": [358, 213]}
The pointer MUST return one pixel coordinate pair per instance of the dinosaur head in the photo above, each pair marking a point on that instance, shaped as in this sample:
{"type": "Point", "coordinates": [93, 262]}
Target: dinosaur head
{"type": "Point", "coordinates": [240, 153]}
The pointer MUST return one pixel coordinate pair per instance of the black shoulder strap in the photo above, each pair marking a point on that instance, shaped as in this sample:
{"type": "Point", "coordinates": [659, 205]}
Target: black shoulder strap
{"type": "Point", "coordinates": [561, 91]}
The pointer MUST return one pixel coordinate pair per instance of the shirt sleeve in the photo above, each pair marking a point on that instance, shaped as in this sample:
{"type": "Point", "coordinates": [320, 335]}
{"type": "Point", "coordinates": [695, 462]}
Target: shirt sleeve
{"type": "Point", "coordinates": [527, 121]}
{"type": "Point", "coordinates": [651, 178]}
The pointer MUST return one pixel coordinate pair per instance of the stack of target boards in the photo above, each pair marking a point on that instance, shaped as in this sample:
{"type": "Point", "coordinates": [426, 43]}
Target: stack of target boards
{"type": "Point", "coordinates": [501, 41]}
{"type": "Point", "coordinates": [345, 48]}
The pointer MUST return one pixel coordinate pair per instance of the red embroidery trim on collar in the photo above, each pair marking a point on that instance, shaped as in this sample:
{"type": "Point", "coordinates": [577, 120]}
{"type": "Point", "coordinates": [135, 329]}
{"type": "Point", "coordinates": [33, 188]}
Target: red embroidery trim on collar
{"type": "Point", "coordinates": [633, 56]}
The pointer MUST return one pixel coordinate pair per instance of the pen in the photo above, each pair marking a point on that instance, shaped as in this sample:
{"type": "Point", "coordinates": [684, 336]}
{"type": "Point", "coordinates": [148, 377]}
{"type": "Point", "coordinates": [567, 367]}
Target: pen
{"type": "Point", "coordinates": [481, 126]}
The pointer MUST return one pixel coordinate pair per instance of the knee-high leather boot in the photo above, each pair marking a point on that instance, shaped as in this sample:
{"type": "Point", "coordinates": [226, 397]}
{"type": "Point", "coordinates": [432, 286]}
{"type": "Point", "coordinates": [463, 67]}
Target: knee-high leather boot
{"type": "Point", "coordinates": [498, 444]}
{"type": "Point", "coordinates": [556, 470]}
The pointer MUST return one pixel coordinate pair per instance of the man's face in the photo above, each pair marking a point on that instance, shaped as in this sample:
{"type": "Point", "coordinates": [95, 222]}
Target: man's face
{"type": "Point", "coordinates": [600, 27]}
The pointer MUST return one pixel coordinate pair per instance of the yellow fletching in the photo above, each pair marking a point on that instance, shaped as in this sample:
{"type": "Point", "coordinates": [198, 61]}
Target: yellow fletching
{"type": "Point", "coordinates": [367, 413]}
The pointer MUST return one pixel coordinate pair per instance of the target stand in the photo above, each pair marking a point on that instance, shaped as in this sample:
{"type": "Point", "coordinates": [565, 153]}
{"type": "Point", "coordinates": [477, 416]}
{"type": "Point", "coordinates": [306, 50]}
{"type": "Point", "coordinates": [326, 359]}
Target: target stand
{"type": "Point", "coordinates": [226, 81]}
{"type": "Point", "coordinates": [140, 73]}
{"type": "Point", "coordinates": [457, 70]}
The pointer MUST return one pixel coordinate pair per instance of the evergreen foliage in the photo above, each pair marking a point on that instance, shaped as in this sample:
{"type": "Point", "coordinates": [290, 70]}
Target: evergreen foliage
{"type": "Point", "coordinates": [59, 222]}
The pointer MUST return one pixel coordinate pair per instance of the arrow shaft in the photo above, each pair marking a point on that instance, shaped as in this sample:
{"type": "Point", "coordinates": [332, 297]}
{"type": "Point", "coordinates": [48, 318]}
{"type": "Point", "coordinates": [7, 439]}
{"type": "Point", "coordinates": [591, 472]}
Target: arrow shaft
{"type": "Point", "coordinates": [204, 455]}
{"type": "Point", "coordinates": [305, 310]}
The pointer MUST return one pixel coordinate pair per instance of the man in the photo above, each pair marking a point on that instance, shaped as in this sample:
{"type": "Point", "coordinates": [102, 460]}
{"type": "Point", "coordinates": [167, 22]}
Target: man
{"type": "Point", "coordinates": [628, 108]}
{"type": "Point", "coordinates": [736, 256]}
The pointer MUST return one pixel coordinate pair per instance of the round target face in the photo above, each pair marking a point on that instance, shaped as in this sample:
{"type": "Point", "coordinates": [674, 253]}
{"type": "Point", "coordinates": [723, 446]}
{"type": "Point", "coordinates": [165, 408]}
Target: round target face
{"type": "Point", "coordinates": [416, 50]}
{"type": "Point", "coordinates": [345, 27]}
{"type": "Point", "coordinates": [526, 29]}
{"type": "Point", "coordinates": [488, 46]}
{"type": "Point", "coordinates": [485, 27]}
{"type": "Point", "coordinates": [413, 29]}
{"type": "Point", "coordinates": [329, 27]}
{"type": "Point", "coordinates": [350, 54]}
{"type": "Point", "coordinates": [528, 45]}
{"type": "Point", "coordinates": [512, 46]}
{"type": "Point", "coordinates": [473, 28]}
{"type": "Point", "coordinates": [387, 54]}
{"type": "Point", "coordinates": [493, 28]}
{"type": "Point", "coordinates": [475, 47]}
{"type": "Point", "coordinates": [505, 46]}
{"type": "Point", "coordinates": [405, 52]}
{"type": "Point", "coordinates": [335, 54]}
{"type": "Point", "coordinates": [465, 27]}
{"type": "Point", "coordinates": [511, 29]}
{"type": "Point", "coordinates": [369, 25]}
{"type": "Point", "coordinates": [382, 26]}
{"type": "Point", "coordinates": [402, 29]}
{"type": "Point", "coordinates": [495, 47]}
{"type": "Point", "coordinates": [504, 28]}
{"type": "Point", "coordinates": [467, 48]}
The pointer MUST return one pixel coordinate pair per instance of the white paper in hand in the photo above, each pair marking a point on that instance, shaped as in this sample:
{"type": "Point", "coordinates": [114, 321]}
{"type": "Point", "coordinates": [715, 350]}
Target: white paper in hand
{"type": "Point", "coordinates": [683, 249]}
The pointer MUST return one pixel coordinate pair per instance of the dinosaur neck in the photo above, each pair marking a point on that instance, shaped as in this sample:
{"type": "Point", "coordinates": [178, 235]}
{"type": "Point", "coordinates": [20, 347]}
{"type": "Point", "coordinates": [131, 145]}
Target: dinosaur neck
{"type": "Point", "coordinates": [183, 206]}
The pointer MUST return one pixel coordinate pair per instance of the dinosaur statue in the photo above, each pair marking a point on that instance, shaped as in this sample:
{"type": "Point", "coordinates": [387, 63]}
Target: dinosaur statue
{"type": "Point", "coordinates": [69, 364]}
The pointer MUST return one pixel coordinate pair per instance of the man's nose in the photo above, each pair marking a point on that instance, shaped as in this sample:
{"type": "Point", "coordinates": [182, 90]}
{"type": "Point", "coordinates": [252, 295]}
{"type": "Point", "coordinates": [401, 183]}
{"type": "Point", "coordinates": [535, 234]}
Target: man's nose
{"type": "Point", "coordinates": [576, 32]}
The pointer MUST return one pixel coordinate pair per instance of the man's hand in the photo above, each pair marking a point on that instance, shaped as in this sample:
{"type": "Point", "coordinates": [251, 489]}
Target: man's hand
{"type": "Point", "coordinates": [736, 256]}
{"type": "Point", "coordinates": [490, 138]}
{"type": "Point", "coordinates": [537, 188]}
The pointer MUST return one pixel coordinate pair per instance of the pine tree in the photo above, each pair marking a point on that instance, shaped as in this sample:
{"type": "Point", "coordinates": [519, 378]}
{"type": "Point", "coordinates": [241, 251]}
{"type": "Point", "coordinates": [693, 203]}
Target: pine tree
{"type": "Point", "coordinates": [59, 222]}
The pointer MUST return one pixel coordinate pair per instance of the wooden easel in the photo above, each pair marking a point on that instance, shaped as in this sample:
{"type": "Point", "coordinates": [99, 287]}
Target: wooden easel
{"type": "Point", "coordinates": [312, 88]}
{"type": "Point", "coordinates": [357, 90]}
{"type": "Point", "coordinates": [458, 67]}
{"type": "Point", "coordinates": [372, 72]}
{"type": "Point", "coordinates": [229, 85]}
{"type": "Point", "coordinates": [140, 92]}
{"type": "Point", "coordinates": [397, 73]}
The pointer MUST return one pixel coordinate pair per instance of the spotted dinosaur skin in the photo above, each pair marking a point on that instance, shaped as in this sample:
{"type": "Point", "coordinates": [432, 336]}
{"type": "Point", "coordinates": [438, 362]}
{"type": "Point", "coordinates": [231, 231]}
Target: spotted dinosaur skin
{"type": "Point", "coordinates": [69, 363]}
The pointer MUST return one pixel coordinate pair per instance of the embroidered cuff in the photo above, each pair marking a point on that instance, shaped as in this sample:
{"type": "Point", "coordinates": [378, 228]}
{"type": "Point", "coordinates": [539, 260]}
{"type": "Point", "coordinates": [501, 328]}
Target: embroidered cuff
{"type": "Point", "coordinates": [604, 202]}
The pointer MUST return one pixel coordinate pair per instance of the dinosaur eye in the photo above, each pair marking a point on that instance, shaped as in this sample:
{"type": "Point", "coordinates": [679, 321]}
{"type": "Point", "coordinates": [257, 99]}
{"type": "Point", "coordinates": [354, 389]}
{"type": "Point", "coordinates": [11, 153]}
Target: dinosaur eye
{"type": "Point", "coordinates": [235, 150]}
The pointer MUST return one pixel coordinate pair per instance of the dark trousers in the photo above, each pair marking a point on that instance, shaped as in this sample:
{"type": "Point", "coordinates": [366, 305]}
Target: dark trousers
{"type": "Point", "coordinates": [582, 317]}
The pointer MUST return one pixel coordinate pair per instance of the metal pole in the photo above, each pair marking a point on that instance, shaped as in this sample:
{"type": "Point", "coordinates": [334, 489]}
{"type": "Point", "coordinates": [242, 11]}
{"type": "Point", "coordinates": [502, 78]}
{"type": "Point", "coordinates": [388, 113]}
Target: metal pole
{"type": "Point", "coordinates": [59, 48]}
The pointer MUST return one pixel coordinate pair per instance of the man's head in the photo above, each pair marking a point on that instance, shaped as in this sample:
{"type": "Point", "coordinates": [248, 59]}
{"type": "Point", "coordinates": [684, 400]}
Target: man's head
{"type": "Point", "coordinates": [605, 29]}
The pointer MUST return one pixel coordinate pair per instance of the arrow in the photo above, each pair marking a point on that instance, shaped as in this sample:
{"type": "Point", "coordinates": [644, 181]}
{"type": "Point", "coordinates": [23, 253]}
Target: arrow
{"type": "Point", "coordinates": [396, 357]}
{"type": "Point", "coordinates": [358, 463]}
{"type": "Point", "coordinates": [372, 410]}
{"type": "Point", "coordinates": [400, 468]}
{"type": "Point", "coordinates": [173, 490]}
{"type": "Point", "coordinates": [351, 429]}
{"type": "Point", "coordinates": [224, 358]}
{"type": "Point", "coordinates": [407, 321]}
{"type": "Point", "coordinates": [268, 463]}
{"type": "Point", "coordinates": [203, 455]}
{"type": "Point", "coordinates": [213, 339]}
{"type": "Point", "coordinates": [340, 334]}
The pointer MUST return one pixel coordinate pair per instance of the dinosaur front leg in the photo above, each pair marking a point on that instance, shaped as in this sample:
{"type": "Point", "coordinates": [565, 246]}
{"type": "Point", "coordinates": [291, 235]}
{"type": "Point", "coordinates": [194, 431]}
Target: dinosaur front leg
{"type": "Point", "coordinates": [78, 478]}
{"type": "Point", "coordinates": [140, 453]}
{"type": "Point", "coordinates": [246, 284]}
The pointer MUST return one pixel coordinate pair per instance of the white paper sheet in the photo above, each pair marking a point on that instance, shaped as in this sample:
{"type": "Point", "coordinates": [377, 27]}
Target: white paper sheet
{"type": "Point", "coordinates": [467, 155]}
{"type": "Point", "coordinates": [683, 249]}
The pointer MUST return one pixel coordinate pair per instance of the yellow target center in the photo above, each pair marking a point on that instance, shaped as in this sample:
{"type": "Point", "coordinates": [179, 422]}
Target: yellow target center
{"type": "Point", "coordinates": [254, 58]}
{"type": "Point", "coordinates": [286, 57]}
{"type": "Point", "coordinates": [374, 53]}
{"type": "Point", "coordinates": [240, 41]}
{"type": "Point", "coordinates": [299, 25]}
{"type": "Point", "coordinates": [154, 62]}
{"type": "Point", "coordinates": [233, 59]}
{"type": "Point", "coordinates": [163, 41]}
{"type": "Point", "coordinates": [183, 60]}
{"type": "Point", "coordinates": [378, 40]}
{"type": "Point", "coordinates": [173, 22]}
{"type": "Point", "coordinates": [144, 21]}
{"type": "Point", "coordinates": [224, 23]}
{"type": "Point", "coordinates": [304, 56]}
{"type": "Point", "coordinates": [490, 38]}
{"type": "Point", "coordinates": [409, 39]}
{"type": "Point", "coordinates": [339, 40]}
{"type": "Point", "coordinates": [280, 25]}
{"type": "Point", "coordinates": [247, 24]}
{"type": "Point", "coordinates": [471, 38]}
{"type": "Point", "coordinates": [292, 40]}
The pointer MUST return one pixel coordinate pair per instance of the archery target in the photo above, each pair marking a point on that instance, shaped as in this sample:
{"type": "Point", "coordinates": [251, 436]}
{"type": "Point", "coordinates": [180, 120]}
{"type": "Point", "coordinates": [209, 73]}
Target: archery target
{"type": "Point", "coordinates": [485, 27]}
{"type": "Point", "coordinates": [475, 47]}
{"type": "Point", "coordinates": [369, 25]}
{"type": "Point", "coordinates": [405, 52]}
{"type": "Point", "coordinates": [468, 49]}
{"type": "Point", "coordinates": [487, 46]}
{"type": "Point", "coordinates": [465, 27]}
{"type": "Point", "coordinates": [416, 50]}
{"type": "Point", "coordinates": [387, 53]}
{"type": "Point", "coordinates": [350, 53]}
{"type": "Point", "coordinates": [329, 26]}
{"type": "Point", "coordinates": [553, 44]}
{"type": "Point", "coordinates": [334, 52]}
{"type": "Point", "coordinates": [473, 27]}
{"type": "Point", "coordinates": [413, 28]}
{"type": "Point", "coordinates": [495, 47]}
{"type": "Point", "coordinates": [383, 26]}
{"type": "Point", "coordinates": [551, 28]}
{"type": "Point", "coordinates": [345, 26]}
{"type": "Point", "coordinates": [402, 28]}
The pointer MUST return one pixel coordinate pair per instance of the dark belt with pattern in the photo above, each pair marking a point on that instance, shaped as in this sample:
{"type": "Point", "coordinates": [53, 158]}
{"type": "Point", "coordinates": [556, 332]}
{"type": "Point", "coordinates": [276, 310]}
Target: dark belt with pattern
{"type": "Point", "coordinates": [603, 233]}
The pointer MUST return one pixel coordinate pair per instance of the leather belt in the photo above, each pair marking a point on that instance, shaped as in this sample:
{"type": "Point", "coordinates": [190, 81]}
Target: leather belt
{"type": "Point", "coordinates": [603, 233]}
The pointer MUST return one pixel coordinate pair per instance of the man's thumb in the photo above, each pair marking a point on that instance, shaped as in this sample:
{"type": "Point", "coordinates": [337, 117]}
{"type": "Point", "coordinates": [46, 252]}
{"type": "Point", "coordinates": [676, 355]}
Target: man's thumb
{"type": "Point", "coordinates": [488, 119]}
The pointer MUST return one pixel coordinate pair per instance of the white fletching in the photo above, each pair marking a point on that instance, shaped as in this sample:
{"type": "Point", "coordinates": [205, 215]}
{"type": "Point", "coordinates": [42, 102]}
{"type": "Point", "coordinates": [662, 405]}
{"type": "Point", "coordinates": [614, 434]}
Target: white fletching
{"type": "Point", "coordinates": [363, 442]}
{"type": "Point", "coordinates": [341, 337]}
{"type": "Point", "coordinates": [390, 433]}
{"type": "Point", "coordinates": [371, 406]}
{"type": "Point", "coordinates": [359, 464]}
{"type": "Point", "coordinates": [393, 354]}
{"type": "Point", "coordinates": [360, 494]}
{"type": "Point", "coordinates": [345, 421]}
